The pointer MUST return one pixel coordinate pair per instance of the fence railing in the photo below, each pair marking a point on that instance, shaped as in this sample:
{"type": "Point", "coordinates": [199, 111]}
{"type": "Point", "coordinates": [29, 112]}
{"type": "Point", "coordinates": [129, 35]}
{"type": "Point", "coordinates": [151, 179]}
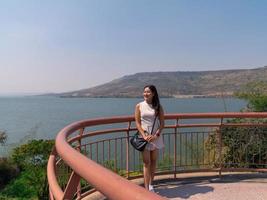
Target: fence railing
{"type": "Point", "coordinates": [86, 152]}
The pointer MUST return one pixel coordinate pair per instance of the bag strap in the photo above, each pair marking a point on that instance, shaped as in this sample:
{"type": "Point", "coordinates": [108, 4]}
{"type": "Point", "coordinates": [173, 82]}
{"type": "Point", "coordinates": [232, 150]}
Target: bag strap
{"type": "Point", "coordinates": [154, 123]}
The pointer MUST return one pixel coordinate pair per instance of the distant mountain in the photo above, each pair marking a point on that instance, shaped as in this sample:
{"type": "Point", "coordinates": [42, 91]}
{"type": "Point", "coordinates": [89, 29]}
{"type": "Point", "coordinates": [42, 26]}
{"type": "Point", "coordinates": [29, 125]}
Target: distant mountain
{"type": "Point", "coordinates": [176, 84]}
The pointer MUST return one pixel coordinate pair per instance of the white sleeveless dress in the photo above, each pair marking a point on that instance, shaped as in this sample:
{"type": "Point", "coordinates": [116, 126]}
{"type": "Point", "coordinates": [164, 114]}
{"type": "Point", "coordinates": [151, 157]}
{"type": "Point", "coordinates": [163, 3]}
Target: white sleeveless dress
{"type": "Point", "coordinates": [147, 119]}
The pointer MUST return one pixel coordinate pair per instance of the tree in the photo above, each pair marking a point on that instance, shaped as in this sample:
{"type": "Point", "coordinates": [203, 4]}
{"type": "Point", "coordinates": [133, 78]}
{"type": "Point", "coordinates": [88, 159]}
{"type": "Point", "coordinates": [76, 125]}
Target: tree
{"type": "Point", "coordinates": [241, 146]}
{"type": "Point", "coordinates": [245, 146]}
{"type": "Point", "coordinates": [256, 95]}
{"type": "Point", "coordinates": [8, 171]}
{"type": "Point", "coordinates": [33, 154]}
{"type": "Point", "coordinates": [31, 158]}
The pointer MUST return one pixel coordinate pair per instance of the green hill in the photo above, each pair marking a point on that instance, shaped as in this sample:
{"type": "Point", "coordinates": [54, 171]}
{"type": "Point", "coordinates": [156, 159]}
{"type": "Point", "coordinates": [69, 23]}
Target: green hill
{"type": "Point", "coordinates": [176, 84]}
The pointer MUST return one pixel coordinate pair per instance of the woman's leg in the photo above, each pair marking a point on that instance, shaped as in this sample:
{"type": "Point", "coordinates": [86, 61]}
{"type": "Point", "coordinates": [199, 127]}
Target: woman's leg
{"type": "Point", "coordinates": [153, 163]}
{"type": "Point", "coordinates": [146, 167]}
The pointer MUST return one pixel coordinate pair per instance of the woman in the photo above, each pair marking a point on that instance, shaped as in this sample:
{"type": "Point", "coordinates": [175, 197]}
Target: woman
{"type": "Point", "coordinates": [145, 113]}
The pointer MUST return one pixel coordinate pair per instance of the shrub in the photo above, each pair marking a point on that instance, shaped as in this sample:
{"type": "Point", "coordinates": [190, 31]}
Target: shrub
{"type": "Point", "coordinates": [8, 171]}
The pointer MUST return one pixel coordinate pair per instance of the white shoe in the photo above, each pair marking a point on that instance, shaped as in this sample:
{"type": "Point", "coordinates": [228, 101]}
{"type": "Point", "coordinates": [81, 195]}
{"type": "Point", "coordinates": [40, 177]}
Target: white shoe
{"type": "Point", "coordinates": [151, 188]}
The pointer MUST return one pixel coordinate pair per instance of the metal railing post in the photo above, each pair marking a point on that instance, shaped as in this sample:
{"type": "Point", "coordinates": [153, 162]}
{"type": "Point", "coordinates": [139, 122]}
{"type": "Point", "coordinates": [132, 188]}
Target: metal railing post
{"type": "Point", "coordinates": [175, 148]}
{"type": "Point", "coordinates": [219, 133]}
{"type": "Point", "coordinates": [80, 149]}
{"type": "Point", "coordinates": [127, 151]}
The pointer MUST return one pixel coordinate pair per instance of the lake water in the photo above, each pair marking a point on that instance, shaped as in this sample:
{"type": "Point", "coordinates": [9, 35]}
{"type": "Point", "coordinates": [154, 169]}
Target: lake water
{"type": "Point", "coordinates": [43, 117]}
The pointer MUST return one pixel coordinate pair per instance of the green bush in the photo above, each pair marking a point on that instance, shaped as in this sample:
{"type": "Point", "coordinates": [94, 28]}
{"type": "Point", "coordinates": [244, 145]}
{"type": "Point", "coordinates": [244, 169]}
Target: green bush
{"type": "Point", "coordinates": [34, 153]}
{"type": "Point", "coordinates": [256, 95]}
{"type": "Point", "coordinates": [8, 171]}
{"type": "Point", "coordinates": [31, 159]}
{"type": "Point", "coordinates": [245, 145]}
{"type": "Point", "coordinates": [166, 163]}
{"type": "Point", "coordinates": [241, 146]}
{"type": "Point", "coordinates": [21, 187]}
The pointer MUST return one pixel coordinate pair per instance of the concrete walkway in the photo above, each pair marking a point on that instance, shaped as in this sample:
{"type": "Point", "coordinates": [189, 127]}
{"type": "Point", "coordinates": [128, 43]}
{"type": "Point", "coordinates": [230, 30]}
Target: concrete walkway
{"type": "Point", "coordinates": [230, 187]}
{"type": "Point", "coordinates": [207, 186]}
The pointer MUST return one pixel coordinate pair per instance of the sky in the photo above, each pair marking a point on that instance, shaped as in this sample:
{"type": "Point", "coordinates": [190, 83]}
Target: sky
{"type": "Point", "coordinates": [65, 45]}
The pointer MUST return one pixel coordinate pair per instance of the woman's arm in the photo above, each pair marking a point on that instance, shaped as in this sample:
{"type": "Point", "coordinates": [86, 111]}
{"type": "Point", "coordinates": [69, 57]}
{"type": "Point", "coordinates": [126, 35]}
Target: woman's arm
{"type": "Point", "coordinates": [161, 121]}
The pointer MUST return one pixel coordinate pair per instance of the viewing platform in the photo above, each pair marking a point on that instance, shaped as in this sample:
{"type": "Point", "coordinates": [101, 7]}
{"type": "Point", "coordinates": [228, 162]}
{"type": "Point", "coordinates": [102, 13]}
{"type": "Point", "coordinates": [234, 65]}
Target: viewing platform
{"type": "Point", "coordinates": [206, 156]}
{"type": "Point", "coordinates": [207, 186]}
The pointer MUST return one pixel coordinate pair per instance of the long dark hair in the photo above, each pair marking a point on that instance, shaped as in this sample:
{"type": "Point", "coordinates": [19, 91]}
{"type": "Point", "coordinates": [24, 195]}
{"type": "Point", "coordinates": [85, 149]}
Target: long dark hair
{"type": "Point", "coordinates": [155, 99]}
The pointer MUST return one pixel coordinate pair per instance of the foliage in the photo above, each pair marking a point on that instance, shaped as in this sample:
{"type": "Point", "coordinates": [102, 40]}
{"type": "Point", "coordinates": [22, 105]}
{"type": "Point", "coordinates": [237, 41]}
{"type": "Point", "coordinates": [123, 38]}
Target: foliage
{"type": "Point", "coordinates": [256, 95]}
{"type": "Point", "coordinates": [31, 158]}
{"type": "Point", "coordinates": [210, 150]}
{"type": "Point", "coordinates": [21, 187]}
{"type": "Point", "coordinates": [241, 146]}
{"type": "Point", "coordinates": [8, 171]}
{"type": "Point", "coordinates": [246, 146]}
{"type": "Point", "coordinates": [33, 154]}
{"type": "Point", "coordinates": [166, 163]}
{"type": "Point", "coordinates": [110, 164]}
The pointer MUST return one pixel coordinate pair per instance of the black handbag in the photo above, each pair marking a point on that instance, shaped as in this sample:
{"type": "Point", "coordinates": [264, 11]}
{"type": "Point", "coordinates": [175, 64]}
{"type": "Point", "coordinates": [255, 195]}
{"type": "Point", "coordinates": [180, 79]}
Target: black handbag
{"type": "Point", "coordinates": [138, 142]}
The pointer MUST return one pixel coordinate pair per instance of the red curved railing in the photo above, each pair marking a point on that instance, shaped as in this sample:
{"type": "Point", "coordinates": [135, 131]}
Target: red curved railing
{"type": "Point", "coordinates": [109, 183]}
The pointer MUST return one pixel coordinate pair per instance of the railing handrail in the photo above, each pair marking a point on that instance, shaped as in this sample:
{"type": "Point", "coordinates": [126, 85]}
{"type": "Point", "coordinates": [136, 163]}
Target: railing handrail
{"type": "Point", "coordinates": [113, 186]}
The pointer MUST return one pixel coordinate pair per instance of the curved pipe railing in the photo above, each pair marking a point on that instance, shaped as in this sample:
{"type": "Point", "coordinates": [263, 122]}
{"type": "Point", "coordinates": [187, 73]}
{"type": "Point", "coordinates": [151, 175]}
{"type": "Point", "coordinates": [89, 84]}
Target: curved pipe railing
{"type": "Point", "coordinates": [107, 182]}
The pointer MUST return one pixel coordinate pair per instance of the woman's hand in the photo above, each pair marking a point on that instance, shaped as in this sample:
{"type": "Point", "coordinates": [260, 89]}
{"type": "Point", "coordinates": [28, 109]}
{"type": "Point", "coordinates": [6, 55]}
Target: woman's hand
{"type": "Point", "coordinates": [158, 132]}
{"type": "Point", "coordinates": [152, 137]}
{"type": "Point", "coordinates": [148, 138]}
{"type": "Point", "coordinates": [156, 135]}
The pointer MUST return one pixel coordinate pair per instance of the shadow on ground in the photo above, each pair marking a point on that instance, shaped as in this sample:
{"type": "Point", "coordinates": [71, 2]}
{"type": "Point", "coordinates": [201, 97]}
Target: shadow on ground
{"type": "Point", "coordinates": [183, 191]}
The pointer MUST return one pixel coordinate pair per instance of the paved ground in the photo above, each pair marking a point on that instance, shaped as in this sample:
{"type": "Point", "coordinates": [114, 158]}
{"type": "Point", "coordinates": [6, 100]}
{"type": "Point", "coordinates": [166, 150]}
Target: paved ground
{"type": "Point", "coordinates": [232, 187]}
{"type": "Point", "coordinates": [207, 186]}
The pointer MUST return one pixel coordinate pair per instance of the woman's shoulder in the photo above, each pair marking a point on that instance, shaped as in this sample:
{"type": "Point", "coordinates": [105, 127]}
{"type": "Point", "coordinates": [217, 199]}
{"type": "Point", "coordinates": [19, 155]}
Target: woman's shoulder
{"type": "Point", "coordinates": [138, 105]}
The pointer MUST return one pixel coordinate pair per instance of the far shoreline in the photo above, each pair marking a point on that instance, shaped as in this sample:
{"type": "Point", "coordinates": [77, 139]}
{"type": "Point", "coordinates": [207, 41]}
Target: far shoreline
{"type": "Point", "coordinates": [162, 96]}
{"type": "Point", "coordinates": [191, 96]}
